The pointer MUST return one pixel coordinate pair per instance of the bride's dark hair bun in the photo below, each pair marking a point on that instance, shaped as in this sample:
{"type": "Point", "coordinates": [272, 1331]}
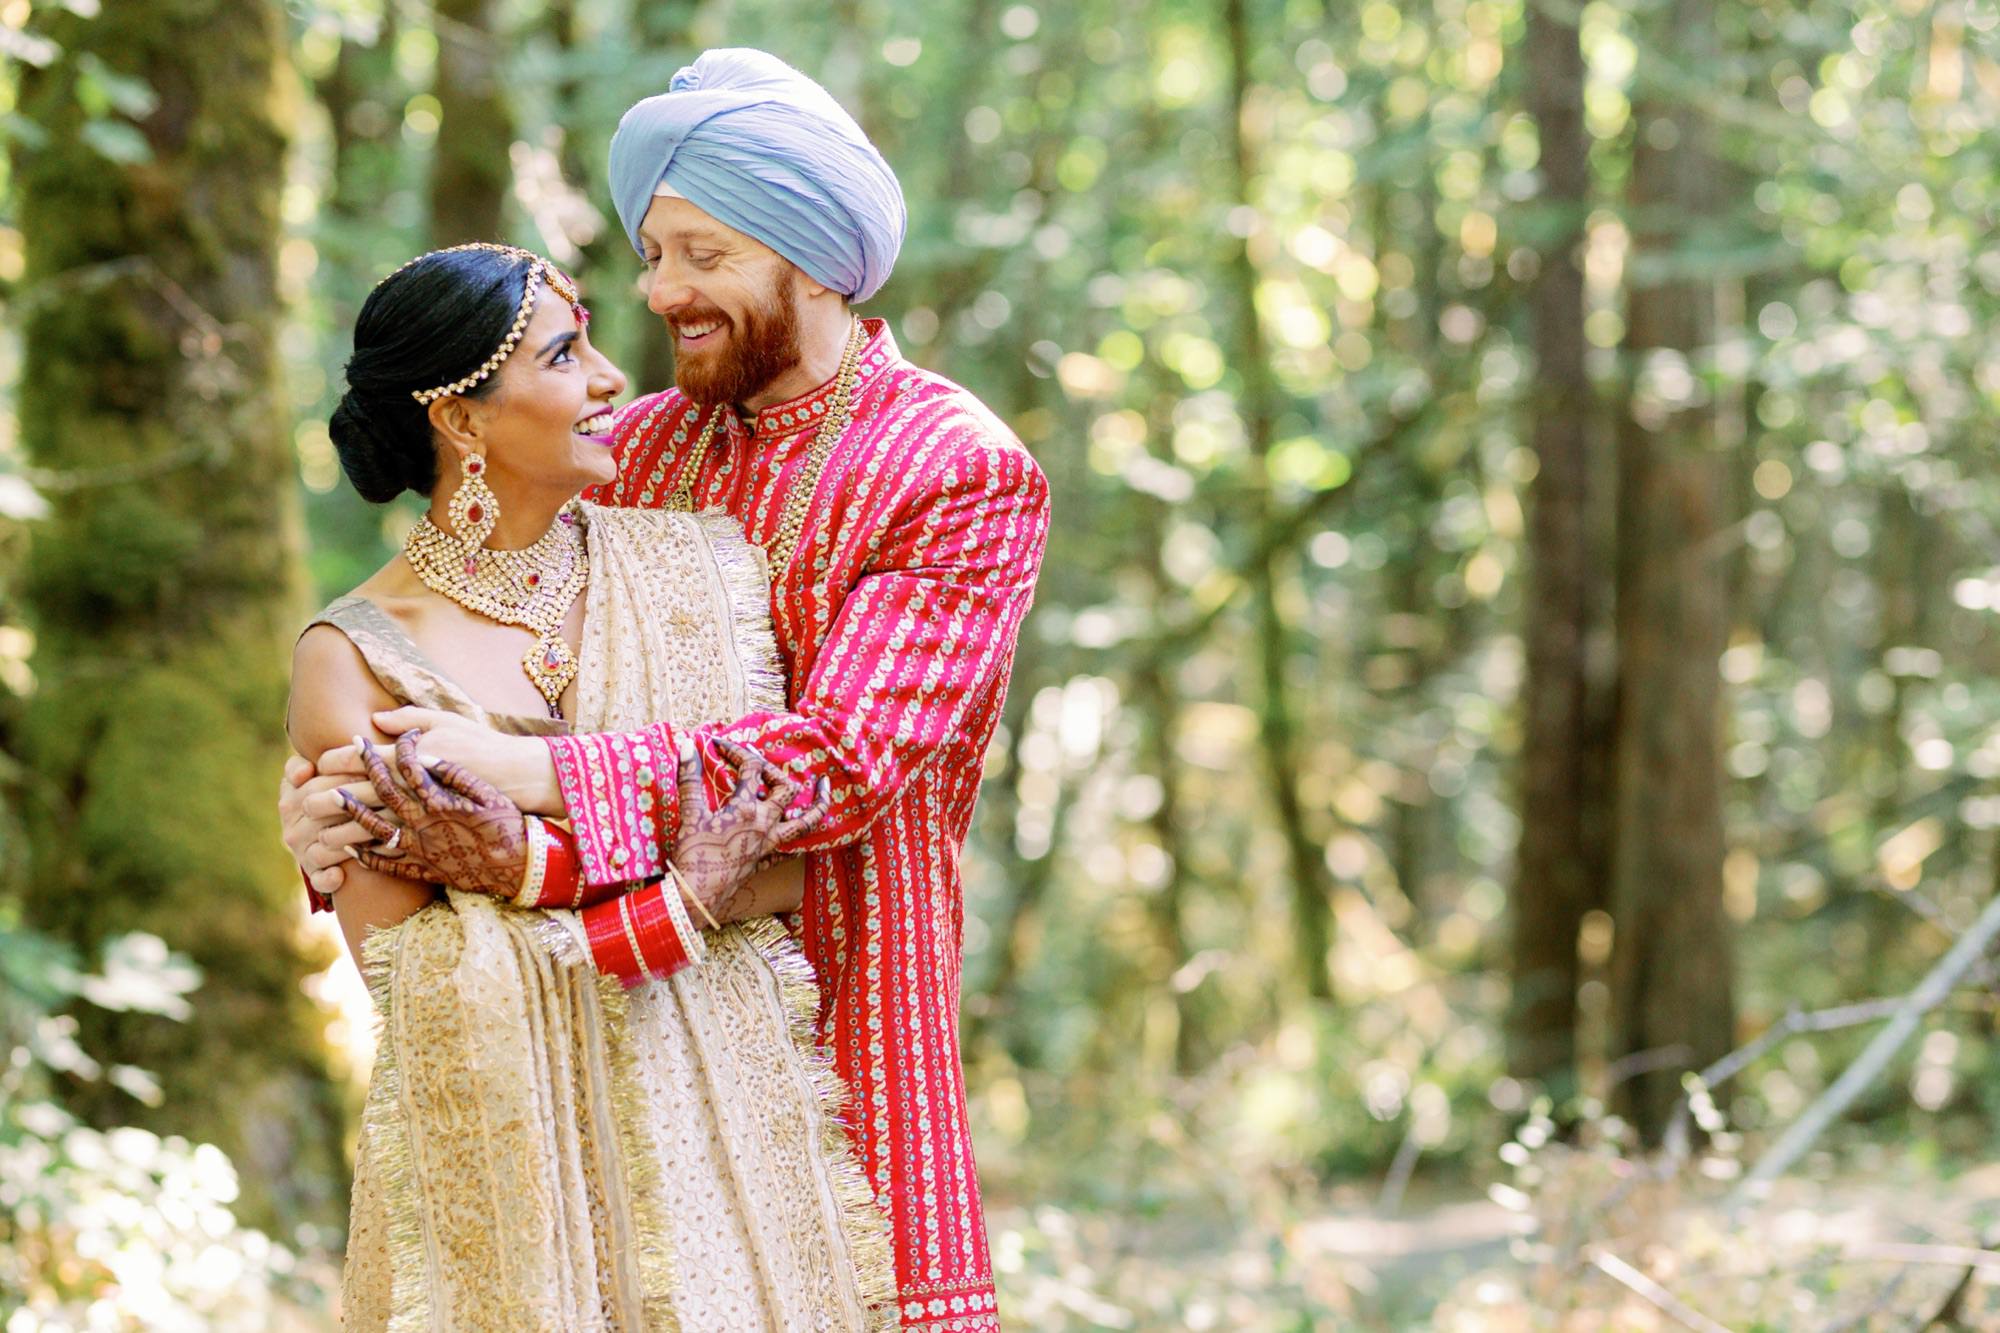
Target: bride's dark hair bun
{"type": "Point", "coordinates": [431, 322]}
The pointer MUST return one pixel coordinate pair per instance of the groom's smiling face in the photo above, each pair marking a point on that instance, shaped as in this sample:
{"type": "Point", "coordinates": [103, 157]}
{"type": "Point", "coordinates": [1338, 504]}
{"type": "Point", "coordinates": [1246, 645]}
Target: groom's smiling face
{"type": "Point", "coordinates": [730, 300]}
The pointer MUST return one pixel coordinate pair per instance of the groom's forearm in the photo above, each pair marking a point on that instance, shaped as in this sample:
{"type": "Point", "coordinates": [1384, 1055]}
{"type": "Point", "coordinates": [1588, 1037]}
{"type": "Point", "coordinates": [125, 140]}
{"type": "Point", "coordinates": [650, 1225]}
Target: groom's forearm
{"type": "Point", "coordinates": [625, 806]}
{"type": "Point", "coordinates": [915, 649]}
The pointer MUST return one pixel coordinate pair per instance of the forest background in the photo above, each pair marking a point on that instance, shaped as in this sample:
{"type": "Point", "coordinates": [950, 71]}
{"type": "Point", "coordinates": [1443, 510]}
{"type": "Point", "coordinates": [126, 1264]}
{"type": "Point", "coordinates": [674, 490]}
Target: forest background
{"type": "Point", "coordinates": [1520, 626]}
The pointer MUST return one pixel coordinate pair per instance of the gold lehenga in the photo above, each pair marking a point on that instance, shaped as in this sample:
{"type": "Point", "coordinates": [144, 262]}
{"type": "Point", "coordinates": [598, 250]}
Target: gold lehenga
{"type": "Point", "coordinates": [542, 1149]}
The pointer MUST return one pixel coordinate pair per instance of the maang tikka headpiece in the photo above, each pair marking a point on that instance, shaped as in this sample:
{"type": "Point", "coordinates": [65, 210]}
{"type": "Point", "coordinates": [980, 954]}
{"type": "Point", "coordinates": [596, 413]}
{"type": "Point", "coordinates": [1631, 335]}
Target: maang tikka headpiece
{"type": "Point", "coordinates": [540, 271]}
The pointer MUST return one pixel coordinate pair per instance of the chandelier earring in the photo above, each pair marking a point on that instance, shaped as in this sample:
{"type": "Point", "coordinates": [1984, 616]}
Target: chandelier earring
{"type": "Point", "coordinates": [474, 508]}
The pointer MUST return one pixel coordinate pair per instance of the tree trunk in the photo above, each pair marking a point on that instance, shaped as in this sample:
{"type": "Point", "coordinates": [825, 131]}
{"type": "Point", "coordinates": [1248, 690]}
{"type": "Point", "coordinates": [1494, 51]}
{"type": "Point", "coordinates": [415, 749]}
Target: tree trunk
{"type": "Point", "coordinates": [471, 172]}
{"type": "Point", "coordinates": [1561, 867]}
{"type": "Point", "coordinates": [166, 584]}
{"type": "Point", "coordinates": [1312, 902]}
{"type": "Point", "coordinates": [1671, 968]}
{"type": "Point", "coordinates": [363, 95]}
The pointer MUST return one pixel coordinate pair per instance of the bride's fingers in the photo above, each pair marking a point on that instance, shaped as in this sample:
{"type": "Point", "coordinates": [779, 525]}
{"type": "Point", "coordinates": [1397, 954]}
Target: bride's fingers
{"type": "Point", "coordinates": [382, 830]}
{"type": "Point", "coordinates": [467, 786]}
{"type": "Point", "coordinates": [752, 773]}
{"type": "Point", "coordinates": [437, 798]}
{"type": "Point", "coordinates": [784, 792]}
{"type": "Point", "coordinates": [410, 767]}
{"type": "Point", "coordinates": [403, 804]}
{"type": "Point", "coordinates": [687, 773]}
{"type": "Point", "coordinates": [805, 821]}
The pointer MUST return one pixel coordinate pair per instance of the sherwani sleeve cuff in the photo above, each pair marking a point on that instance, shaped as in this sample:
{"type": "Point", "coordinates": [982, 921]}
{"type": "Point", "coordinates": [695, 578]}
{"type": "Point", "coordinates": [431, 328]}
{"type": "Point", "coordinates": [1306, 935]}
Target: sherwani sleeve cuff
{"type": "Point", "coordinates": [611, 786]}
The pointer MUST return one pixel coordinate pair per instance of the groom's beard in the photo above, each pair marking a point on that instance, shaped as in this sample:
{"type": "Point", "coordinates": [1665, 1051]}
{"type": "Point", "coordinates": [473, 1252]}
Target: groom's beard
{"type": "Point", "coordinates": [758, 348]}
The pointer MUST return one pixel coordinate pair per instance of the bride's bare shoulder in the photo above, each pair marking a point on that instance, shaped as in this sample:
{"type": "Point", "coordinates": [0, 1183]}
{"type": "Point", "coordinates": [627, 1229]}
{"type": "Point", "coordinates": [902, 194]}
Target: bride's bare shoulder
{"type": "Point", "coordinates": [333, 693]}
{"type": "Point", "coordinates": [333, 689]}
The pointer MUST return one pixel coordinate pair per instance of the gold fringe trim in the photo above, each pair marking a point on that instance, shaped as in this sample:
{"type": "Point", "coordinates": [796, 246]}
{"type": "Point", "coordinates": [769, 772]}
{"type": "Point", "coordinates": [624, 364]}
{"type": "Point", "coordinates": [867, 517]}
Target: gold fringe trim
{"type": "Point", "coordinates": [390, 1155]}
{"type": "Point", "coordinates": [746, 581]}
{"type": "Point", "coordinates": [645, 1186]}
{"type": "Point", "coordinates": [864, 1228]}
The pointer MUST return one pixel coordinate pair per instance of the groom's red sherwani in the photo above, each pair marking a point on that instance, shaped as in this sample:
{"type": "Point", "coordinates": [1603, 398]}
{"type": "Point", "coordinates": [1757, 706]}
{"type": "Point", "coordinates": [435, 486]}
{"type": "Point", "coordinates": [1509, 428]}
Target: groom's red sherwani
{"type": "Point", "coordinates": [896, 620]}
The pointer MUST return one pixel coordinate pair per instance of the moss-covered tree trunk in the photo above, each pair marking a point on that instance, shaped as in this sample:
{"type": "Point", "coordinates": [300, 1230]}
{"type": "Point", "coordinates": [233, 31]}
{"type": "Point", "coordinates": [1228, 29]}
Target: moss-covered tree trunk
{"type": "Point", "coordinates": [165, 586]}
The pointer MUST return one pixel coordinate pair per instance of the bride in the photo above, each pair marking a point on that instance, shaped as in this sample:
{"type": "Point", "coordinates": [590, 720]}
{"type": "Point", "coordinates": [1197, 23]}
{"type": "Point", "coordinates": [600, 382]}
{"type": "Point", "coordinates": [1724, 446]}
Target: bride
{"type": "Point", "coordinates": [542, 1148]}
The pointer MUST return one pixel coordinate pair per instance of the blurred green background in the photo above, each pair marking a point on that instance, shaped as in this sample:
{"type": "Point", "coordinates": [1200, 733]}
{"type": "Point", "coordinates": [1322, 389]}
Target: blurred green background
{"type": "Point", "coordinates": [1520, 621]}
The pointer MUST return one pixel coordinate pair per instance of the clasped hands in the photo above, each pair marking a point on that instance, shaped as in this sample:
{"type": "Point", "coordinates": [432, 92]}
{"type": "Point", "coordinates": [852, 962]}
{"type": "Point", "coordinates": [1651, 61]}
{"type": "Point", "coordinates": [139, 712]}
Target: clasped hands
{"type": "Point", "coordinates": [439, 821]}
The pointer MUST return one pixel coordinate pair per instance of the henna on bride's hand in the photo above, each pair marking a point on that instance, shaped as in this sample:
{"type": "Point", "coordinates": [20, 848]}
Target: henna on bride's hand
{"type": "Point", "coordinates": [718, 850]}
{"type": "Point", "coordinates": [455, 828]}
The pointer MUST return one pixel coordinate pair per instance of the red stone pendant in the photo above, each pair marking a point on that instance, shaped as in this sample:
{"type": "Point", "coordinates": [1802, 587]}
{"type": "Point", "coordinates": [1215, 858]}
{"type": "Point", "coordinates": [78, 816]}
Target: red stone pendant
{"type": "Point", "coordinates": [474, 466]}
{"type": "Point", "coordinates": [550, 664]}
{"type": "Point", "coordinates": [475, 512]}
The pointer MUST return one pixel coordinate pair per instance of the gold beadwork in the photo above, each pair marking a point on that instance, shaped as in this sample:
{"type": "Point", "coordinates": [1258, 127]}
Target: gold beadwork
{"type": "Point", "coordinates": [839, 412]}
{"type": "Point", "coordinates": [683, 494]}
{"type": "Point", "coordinates": [540, 271]}
{"type": "Point", "coordinates": [532, 587]}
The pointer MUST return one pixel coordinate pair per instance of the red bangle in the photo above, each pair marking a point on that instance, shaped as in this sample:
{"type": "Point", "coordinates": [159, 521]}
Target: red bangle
{"type": "Point", "coordinates": [551, 879]}
{"type": "Point", "coordinates": [633, 937]}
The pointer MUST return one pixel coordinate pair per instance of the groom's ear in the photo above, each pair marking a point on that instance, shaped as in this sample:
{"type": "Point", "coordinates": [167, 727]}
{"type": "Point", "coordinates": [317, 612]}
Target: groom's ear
{"type": "Point", "coordinates": [809, 286]}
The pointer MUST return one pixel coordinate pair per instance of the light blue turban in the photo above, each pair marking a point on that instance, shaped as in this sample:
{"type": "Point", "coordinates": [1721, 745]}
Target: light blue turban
{"type": "Point", "coordinates": [762, 148]}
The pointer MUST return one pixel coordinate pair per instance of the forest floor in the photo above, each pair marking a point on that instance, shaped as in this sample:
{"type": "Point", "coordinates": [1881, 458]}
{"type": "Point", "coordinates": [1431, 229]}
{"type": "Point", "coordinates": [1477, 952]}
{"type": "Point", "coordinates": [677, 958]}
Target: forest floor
{"type": "Point", "coordinates": [1864, 1252]}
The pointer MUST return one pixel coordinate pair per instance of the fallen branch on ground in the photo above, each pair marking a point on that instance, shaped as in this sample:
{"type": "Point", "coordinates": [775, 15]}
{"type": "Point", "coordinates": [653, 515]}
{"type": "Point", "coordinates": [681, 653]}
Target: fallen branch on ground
{"type": "Point", "coordinates": [1652, 1292]}
{"type": "Point", "coordinates": [1855, 1079]}
{"type": "Point", "coordinates": [1796, 1021]}
{"type": "Point", "coordinates": [1906, 1253]}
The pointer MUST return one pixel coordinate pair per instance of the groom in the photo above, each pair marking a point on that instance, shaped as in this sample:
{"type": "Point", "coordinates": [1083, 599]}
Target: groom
{"type": "Point", "coordinates": [906, 526]}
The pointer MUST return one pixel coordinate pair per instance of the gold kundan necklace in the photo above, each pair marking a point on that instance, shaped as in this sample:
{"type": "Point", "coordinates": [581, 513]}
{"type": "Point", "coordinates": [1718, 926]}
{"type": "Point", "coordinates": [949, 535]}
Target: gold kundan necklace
{"type": "Point", "coordinates": [532, 587]}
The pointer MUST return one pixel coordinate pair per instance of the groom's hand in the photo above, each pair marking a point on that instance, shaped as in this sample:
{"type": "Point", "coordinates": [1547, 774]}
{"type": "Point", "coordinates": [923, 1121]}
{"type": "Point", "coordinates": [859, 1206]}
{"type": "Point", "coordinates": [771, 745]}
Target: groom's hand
{"type": "Point", "coordinates": [718, 850]}
{"type": "Point", "coordinates": [317, 830]}
{"type": "Point", "coordinates": [517, 767]}
{"type": "Point", "coordinates": [448, 826]}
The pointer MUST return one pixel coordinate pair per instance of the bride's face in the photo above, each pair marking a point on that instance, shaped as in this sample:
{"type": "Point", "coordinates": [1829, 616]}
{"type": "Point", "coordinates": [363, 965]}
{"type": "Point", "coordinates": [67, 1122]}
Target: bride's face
{"type": "Point", "coordinates": [548, 426]}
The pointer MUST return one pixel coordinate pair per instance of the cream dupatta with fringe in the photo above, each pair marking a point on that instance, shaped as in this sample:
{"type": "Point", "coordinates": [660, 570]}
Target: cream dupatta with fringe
{"type": "Point", "coordinates": [542, 1149]}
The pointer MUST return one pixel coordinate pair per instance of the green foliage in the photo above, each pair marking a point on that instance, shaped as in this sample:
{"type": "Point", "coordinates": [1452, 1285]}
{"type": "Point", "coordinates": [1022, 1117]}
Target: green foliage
{"type": "Point", "coordinates": [117, 1228]}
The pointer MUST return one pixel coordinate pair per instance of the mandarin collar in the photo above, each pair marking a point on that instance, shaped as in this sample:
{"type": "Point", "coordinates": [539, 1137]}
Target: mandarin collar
{"type": "Point", "coordinates": [878, 353]}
